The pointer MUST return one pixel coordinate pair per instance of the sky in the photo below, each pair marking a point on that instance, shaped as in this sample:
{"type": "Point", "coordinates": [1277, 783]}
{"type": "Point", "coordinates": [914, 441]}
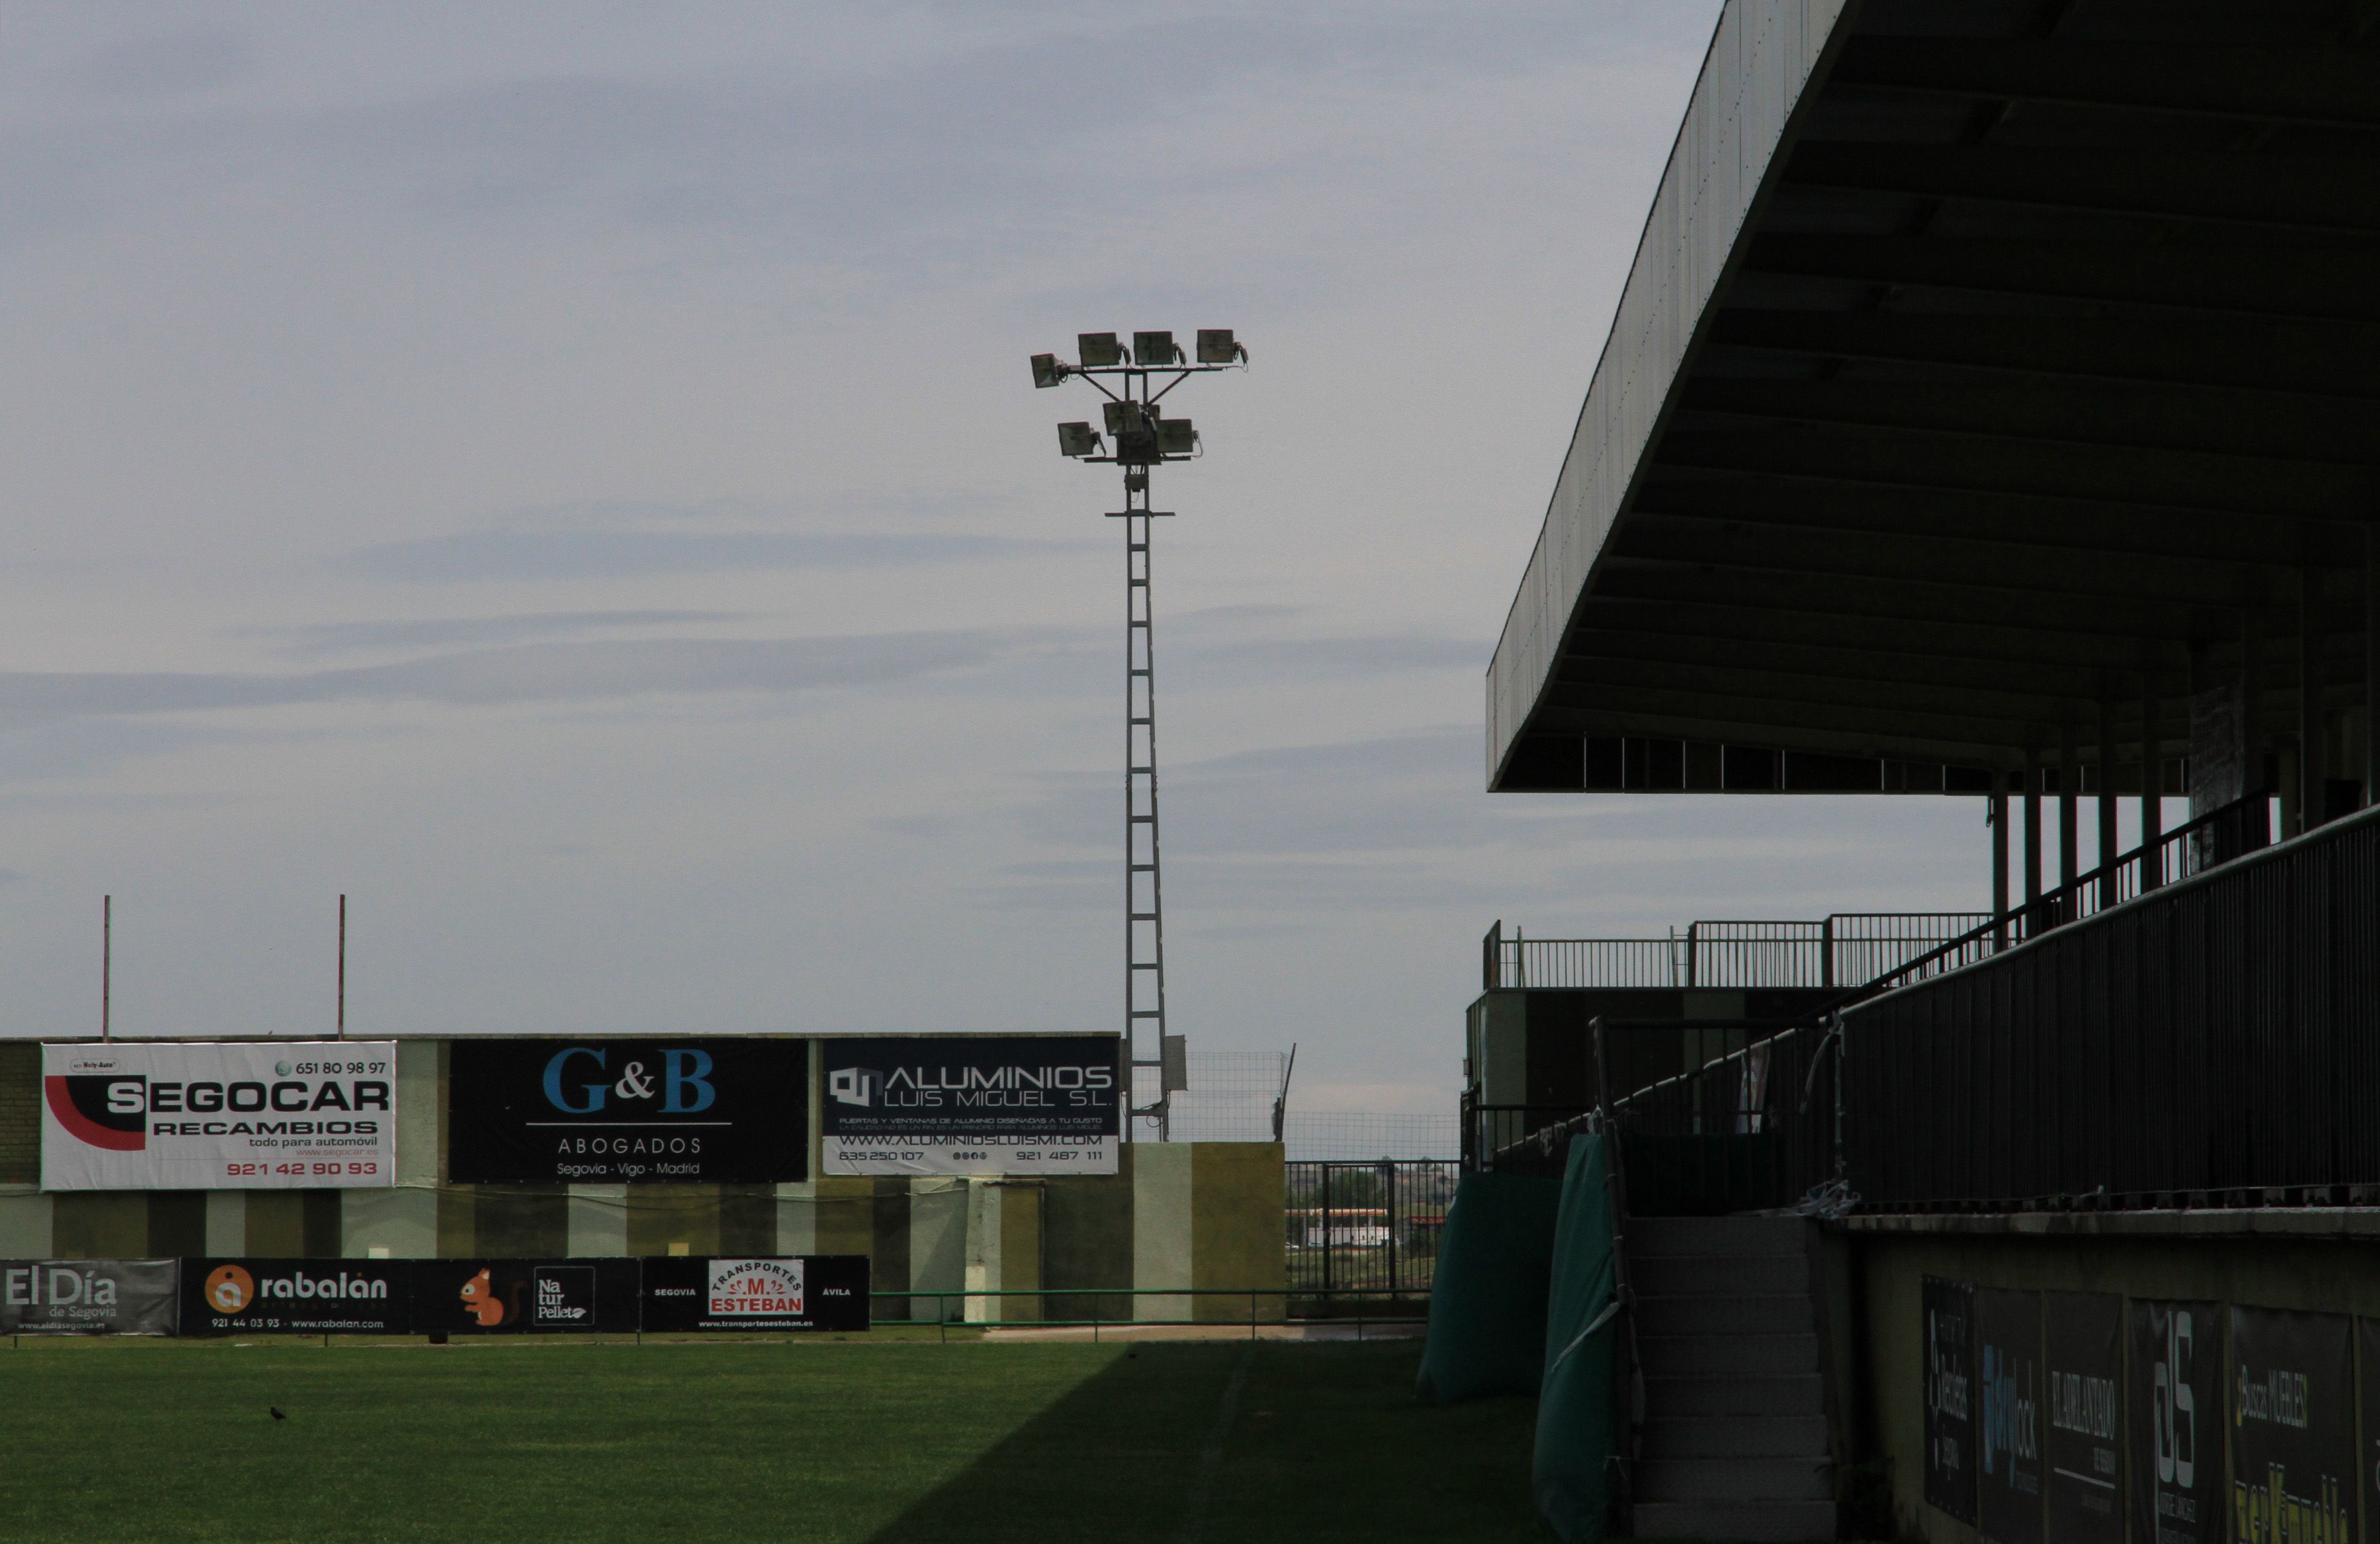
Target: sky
{"type": "Point", "coordinates": [569, 479]}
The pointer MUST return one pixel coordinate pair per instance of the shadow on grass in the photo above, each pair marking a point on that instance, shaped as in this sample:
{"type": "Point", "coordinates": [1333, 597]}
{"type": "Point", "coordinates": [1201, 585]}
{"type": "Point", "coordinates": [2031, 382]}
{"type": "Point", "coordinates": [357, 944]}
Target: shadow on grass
{"type": "Point", "coordinates": [1324, 1443]}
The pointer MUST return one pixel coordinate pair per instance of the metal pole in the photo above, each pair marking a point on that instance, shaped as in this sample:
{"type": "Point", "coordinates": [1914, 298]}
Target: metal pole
{"type": "Point", "coordinates": [2371, 666]}
{"type": "Point", "coordinates": [2152, 789]}
{"type": "Point", "coordinates": [2032, 840]}
{"type": "Point", "coordinates": [2070, 780]}
{"type": "Point", "coordinates": [1998, 816]}
{"type": "Point", "coordinates": [106, 961]}
{"type": "Point", "coordinates": [2310, 762]}
{"type": "Point", "coordinates": [343, 967]}
{"type": "Point", "coordinates": [2104, 805]}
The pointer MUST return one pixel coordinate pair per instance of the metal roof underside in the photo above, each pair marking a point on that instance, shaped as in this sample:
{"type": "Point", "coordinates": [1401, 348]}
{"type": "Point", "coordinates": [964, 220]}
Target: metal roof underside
{"type": "Point", "coordinates": [1989, 369]}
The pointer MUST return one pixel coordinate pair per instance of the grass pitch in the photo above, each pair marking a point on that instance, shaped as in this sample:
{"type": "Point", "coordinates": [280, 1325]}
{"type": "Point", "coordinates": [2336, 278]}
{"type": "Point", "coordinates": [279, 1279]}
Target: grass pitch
{"type": "Point", "coordinates": [866, 1441]}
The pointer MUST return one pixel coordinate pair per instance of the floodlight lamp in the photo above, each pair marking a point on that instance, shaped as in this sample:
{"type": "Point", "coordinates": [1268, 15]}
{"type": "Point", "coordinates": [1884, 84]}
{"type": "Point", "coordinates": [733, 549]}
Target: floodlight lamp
{"type": "Point", "coordinates": [1077, 439]}
{"type": "Point", "coordinates": [1122, 416]}
{"type": "Point", "coordinates": [1049, 369]}
{"type": "Point", "coordinates": [1217, 347]}
{"type": "Point", "coordinates": [1155, 348]}
{"type": "Point", "coordinates": [1099, 350]}
{"type": "Point", "coordinates": [1174, 437]}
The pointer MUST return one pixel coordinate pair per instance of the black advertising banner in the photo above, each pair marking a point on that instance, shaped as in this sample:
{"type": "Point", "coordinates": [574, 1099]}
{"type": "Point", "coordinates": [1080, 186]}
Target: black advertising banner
{"type": "Point", "coordinates": [2292, 1428]}
{"type": "Point", "coordinates": [2083, 1439]}
{"type": "Point", "coordinates": [981, 1105]}
{"type": "Point", "coordinates": [1949, 1409]}
{"type": "Point", "coordinates": [296, 1296]}
{"type": "Point", "coordinates": [2008, 1351]}
{"type": "Point", "coordinates": [808, 1292]}
{"type": "Point", "coordinates": [2367, 1338]}
{"type": "Point", "coordinates": [525, 1296]}
{"type": "Point", "coordinates": [612, 1112]}
{"type": "Point", "coordinates": [87, 1297]}
{"type": "Point", "coordinates": [2177, 1422]}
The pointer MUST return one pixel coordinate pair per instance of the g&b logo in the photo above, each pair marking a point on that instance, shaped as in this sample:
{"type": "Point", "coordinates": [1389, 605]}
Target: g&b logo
{"type": "Point", "coordinates": [683, 1085]}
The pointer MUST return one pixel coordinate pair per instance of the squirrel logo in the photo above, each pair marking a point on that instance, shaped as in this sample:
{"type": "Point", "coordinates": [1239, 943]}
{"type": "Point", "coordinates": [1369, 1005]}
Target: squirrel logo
{"type": "Point", "coordinates": [480, 1301]}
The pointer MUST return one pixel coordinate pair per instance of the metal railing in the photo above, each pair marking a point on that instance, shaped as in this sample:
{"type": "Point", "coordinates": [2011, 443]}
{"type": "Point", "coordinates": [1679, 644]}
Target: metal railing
{"type": "Point", "coordinates": [1266, 1306]}
{"type": "Point", "coordinates": [1366, 1226]}
{"type": "Point", "coordinates": [1766, 1123]}
{"type": "Point", "coordinates": [1846, 947]}
{"type": "Point", "coordinates": [2215, 1044]}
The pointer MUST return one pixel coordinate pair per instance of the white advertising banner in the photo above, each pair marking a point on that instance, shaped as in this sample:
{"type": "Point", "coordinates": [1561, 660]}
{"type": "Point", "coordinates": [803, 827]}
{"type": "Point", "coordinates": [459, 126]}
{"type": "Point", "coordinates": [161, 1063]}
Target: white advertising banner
{"type": "Point", "coordinates": [221, 1115]}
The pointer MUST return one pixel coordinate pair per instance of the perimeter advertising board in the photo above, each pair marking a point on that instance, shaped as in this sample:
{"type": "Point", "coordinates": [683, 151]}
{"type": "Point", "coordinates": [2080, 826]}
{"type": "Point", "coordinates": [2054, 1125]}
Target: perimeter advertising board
{"type": "Point", "coordinates": [252, 1297]}
{"type": "Point", "coordinates": [981, 1105]}
{"type": "Point", "coordinates": [2008, 1339]}
{"type": "Point", "coordinates": [227, 1115]}
{"type": "Point", "coordinates": [2292, 1428]}
{"type": "Point", "coordinates": [525, 1296]}
{"type": "Point", "coordinates": [2084, 1349]}
{"type": "Point", "coordinates": [2177, 1422]}
{"type": "Point", "coordinates": [809, 1292]}
{"type": "Point", "coordinates": [87, 1297]}
{"type": "Point", "coordinates": [695, 1111]}
{"type": "Point", "coordinates": [1949, 1309]}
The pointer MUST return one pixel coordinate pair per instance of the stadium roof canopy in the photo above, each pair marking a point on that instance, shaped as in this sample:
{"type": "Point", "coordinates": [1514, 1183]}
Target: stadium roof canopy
{"type": "Point", "coordinates": [1991, 373]}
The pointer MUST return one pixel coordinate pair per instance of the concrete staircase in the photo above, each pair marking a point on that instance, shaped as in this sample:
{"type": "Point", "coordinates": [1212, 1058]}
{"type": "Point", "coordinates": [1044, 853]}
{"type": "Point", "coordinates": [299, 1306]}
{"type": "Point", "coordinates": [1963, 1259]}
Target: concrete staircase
{"type": "Point", "coordinates": [1735, 1422]}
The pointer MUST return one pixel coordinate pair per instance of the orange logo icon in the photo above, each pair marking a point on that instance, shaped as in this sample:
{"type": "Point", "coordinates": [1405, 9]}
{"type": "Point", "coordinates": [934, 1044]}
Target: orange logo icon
{"type": "Point", "coordinates": [479, 1299]}
{"type": "Point", "coordinates": [229, 1289]}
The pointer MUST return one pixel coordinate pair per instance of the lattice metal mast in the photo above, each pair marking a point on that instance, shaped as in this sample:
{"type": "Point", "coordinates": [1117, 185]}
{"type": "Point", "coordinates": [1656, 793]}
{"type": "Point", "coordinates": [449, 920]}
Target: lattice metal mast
{"type": "Point", "coordinates": [1138, 437]}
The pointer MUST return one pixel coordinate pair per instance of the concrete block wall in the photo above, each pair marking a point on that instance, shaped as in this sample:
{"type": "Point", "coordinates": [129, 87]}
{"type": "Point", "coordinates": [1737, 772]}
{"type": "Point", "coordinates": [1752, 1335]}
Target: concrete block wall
{"type": "Point", "coordinates": [1205, 1215]}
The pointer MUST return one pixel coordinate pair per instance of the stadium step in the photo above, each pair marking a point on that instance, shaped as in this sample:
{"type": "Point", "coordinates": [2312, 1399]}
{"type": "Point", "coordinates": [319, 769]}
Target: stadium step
{"type": "Point", "coordinates": [1751, 1313]}
{"type": "Point", "coordinates": [1735, 1430]}
{"type": "Point", "coordinates": [1683, 1355]}
{"type": "Point", "coordinates": [1749, 1522]}
{"type": "Point", "coordinates": [1735, 1437]}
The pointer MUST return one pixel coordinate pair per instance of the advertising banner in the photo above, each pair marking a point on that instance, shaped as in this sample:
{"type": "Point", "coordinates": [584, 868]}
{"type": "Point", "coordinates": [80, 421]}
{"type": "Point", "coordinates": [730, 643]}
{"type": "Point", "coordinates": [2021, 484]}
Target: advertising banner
{"type": "Point", "coordinates": [2177, 1422]}
{"type": "Point", "coordinates": [226, 1115]}
{"type": "Point", "coordinates": [2007, 1342]}
{"type": "Point", "coordinates": [2082, 1447]}
{"type": "Point", "coordinates": [636, 1112]}
{"type": "Point", "coordinates": [2292, 1428]}
{"type": "Point", "coordinates": [983, 1105]}
{"type": "Point", "coordinates": [87, 1297]}
{"type": "Point", "coordinates": [1949, 1309]}
{"type": "Point", "coordinates": [524, 1297]}
{"type": "Point", "coordinates": [809, 1292]}
{"type": "Point", "coordinates": [296, 1296]}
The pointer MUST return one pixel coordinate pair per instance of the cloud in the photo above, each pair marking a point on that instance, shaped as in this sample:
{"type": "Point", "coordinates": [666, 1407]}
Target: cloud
{"type": "Point", "coordinates": [516, 555]}
{"type": "Point", "coordinates": [529, 672]}
{"type": "Point", "coordinates": [316, 640]}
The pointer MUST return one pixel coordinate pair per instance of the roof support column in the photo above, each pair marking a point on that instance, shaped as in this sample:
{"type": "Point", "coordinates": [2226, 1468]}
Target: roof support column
{"type": "Point", "coordinates": [2310, 758]}
{"type": "Point", "coordinates": [2032, 840]}
{"type": "Point", "coordinates": [2152, 789]}
{"type": "Point", "coordinates": [2372, 665]}
{"type": "Point", "coordinates": [2105, 803]}
{"type": "Point", "coordinates": [2070, 780]}
{"type": "Point", "coordinates": [1999, 817]}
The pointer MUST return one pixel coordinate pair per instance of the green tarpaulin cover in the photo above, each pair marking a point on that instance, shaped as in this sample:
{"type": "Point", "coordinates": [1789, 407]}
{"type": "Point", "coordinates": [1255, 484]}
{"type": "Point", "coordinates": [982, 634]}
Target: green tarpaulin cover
{"type": "Point", "coordinates": [1575, 1407]}
{"type": "Point", "coordinates": [1488, 1295]}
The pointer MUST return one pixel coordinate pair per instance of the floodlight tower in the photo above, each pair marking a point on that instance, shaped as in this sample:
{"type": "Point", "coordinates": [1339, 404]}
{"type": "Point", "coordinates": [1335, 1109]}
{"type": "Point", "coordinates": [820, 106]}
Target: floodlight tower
{"type": "Point", "coordinates": [1138, 437]}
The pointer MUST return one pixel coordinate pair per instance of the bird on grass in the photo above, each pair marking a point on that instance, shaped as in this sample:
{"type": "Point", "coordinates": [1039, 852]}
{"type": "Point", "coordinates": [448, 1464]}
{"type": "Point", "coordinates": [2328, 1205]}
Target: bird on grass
{"type": "Point", "coordinates": [275, 1411]}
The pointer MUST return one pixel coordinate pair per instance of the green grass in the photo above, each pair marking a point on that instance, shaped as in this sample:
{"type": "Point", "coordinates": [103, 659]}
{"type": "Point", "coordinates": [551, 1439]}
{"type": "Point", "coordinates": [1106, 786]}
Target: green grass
{"type": "Point", "coordinates": [863, 1441]}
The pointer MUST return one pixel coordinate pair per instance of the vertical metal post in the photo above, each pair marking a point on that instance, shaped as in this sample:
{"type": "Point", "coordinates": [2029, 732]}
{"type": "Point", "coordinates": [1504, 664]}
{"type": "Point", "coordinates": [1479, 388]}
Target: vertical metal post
{"type": "Point", "coordinates": [343, 967]}
{"type": "Point", "coordinates": [2032, 842]}
{"type": "Point", "coordinates": [106, 961]}
{"type": "Point", "coordinates": [1998, 816]}
{"type": "Point", "coordinates": [2312, 764]}
{"type": "Point", "coordinates": [2152, 789]}
{"type": "Point", "coordinates": [2370, 665]}
{"type": "Point", "coordinates": [2069, 781]}
{"type": "Point", "coordinates": [2104, 805]}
